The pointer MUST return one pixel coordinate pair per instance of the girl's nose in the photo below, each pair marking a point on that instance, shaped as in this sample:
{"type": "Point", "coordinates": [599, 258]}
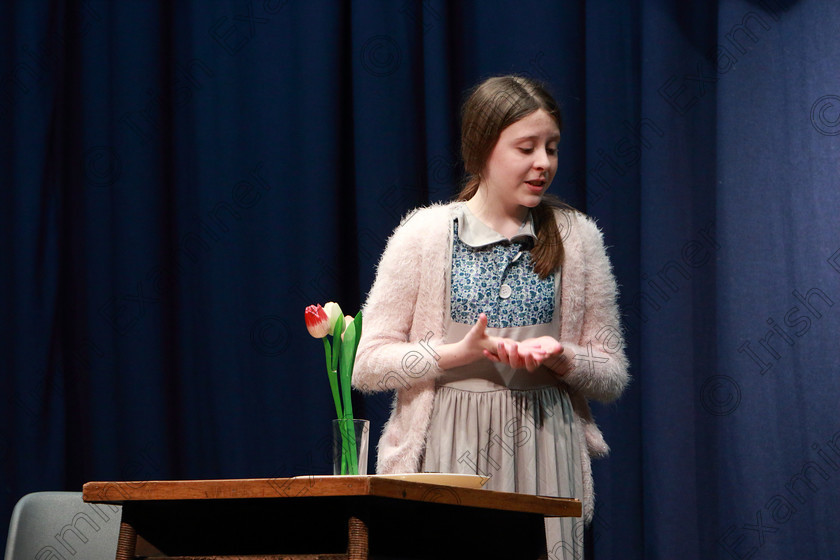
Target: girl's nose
{"type": "Point", "coordinates": [541, 160]}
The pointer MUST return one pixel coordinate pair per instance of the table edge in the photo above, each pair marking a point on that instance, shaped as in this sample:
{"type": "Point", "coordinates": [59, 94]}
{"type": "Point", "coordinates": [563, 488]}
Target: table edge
{"type": "Point", "coordinates": [123, 492]}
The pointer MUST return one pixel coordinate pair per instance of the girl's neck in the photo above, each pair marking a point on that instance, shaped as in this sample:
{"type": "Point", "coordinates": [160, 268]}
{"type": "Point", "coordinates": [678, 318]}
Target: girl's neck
{"type": "Point", "coordinates": [506, 220]}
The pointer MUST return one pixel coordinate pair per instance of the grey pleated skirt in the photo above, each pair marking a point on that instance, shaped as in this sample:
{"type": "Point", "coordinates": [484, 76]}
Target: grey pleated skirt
{"type": "Point", "coordinates": [524, 440]}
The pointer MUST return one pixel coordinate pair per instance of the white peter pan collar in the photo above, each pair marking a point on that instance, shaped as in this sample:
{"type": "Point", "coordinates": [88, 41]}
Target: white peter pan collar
{"type": "Point", "coordinates": [476, 233]}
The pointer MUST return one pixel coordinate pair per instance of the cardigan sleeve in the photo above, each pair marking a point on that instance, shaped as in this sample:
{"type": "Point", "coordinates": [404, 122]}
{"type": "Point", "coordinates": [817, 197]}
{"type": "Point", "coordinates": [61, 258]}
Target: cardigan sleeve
{"type": "Point", "coordinates": [599, 367]}
{"type": "Point", "coordinates": [387, 357]}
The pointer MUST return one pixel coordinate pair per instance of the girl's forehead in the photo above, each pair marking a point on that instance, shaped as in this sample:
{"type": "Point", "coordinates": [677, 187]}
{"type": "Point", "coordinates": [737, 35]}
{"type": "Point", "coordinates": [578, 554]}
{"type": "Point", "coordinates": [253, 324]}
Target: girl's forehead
{"type": "Point", "coordinates": [536, 124]}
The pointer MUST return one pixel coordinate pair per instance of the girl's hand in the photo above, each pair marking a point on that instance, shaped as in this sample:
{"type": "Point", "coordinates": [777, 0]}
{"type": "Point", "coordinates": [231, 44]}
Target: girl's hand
{"type": "Point", "coordinates": [547, 344]}
{"type": "Point", "coordinates": [556, 359]}
{"type": "Point", "coordinates": [475, 344]}
{"type": "Point", "coordinates": [528, 354]}
{"type": "Point", "coordinates": [516, 354]}
{"type": "Point", "coordinates": [476, 339]}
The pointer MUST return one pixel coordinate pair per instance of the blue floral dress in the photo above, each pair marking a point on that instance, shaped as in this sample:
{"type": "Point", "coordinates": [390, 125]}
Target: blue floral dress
{"type": "Point", "coordinates": [514, 426]}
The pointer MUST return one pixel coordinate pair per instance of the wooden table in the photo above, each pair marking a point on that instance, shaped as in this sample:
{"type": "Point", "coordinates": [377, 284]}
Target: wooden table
{"type": "Point", "coordinates": [325, 517]}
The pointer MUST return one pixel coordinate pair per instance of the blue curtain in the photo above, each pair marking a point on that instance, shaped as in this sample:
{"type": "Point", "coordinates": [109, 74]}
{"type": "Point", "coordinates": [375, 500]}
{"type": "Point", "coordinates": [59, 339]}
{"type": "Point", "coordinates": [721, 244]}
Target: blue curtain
{"type": "Point", "coordinates": [179, 180]}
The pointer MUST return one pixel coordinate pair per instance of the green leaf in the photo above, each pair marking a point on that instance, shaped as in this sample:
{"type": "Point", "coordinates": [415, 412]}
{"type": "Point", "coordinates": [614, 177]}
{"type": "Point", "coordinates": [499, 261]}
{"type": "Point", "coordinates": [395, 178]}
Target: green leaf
{"type": "Point", "coordinates": [352, 334]}
{"type": "Point", "coordinates": [339, 326]}
{"type": "Point", "coordinates": [348, 348]}
{"type": "Point", "coordinates": [332, 375]}
{"type": "Point", "coordinates": [348, 351]}
{"type": "Point", "coordinates": [328, 354]}
{"type": "Point", "coordinates": [357, 324]}
{"type": "Point", "coordinates": [336, 334]}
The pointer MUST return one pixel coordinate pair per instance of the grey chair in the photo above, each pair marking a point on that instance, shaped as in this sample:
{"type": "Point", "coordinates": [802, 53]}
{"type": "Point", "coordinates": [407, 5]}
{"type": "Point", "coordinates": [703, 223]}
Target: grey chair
{"type": "Point", "coordinates": [60, 526]}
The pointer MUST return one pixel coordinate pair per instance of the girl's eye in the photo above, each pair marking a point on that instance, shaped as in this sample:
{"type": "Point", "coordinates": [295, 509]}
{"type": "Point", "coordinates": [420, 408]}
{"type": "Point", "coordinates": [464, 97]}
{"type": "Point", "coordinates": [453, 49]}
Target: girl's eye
{"type": "Point", "coordinates": [526, 150]}
{"type": "Point", "coordinates": [551, 151]}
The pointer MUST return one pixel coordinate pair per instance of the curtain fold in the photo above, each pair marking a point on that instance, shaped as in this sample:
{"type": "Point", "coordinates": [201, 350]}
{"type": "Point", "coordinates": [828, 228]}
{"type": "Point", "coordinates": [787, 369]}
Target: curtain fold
{"type": "Point", "coordinates": [179, 180]}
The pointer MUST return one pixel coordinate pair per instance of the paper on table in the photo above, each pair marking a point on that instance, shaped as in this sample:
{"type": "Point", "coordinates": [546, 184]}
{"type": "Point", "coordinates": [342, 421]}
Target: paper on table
{"type": "Point", "coordinates": [444, 479]}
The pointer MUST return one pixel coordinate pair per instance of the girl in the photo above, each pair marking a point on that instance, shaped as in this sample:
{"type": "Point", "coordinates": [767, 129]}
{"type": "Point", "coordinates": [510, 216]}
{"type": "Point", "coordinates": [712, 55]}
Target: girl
{"type": "Point", "coordinates": [494, 319]}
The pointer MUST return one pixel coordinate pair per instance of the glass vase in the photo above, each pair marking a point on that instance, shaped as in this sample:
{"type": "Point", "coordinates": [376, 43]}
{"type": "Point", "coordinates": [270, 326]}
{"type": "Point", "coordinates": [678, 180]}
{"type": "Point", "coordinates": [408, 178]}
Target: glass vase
{"type": "Point", "coordinates": [350, 446]}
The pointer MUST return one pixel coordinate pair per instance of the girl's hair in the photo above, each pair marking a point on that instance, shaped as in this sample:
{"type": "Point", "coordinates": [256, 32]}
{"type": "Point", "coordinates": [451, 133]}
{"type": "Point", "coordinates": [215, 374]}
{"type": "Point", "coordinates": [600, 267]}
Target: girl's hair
{"type": "Point", "coordinates": [492, 106]}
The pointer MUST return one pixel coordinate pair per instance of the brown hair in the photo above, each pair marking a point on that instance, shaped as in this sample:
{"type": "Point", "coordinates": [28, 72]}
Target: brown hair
{"type": "Point", "coordinates": [492, 106]}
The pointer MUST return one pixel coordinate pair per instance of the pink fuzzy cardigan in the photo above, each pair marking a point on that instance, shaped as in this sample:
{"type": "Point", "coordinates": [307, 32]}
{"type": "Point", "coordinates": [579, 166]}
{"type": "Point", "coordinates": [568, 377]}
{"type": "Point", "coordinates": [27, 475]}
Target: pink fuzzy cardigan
{"type": "Point", "coordinates": [404, 322]}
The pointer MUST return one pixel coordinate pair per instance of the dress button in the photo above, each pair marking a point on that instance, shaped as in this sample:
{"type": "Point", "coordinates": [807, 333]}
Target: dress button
{"type": "Point", "coordinates": [505, 291]}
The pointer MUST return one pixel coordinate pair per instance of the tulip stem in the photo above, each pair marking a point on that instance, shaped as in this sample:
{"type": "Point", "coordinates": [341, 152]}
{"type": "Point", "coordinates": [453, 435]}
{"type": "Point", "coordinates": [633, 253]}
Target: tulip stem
{"type": "Point", "coordinates": [333, 377]}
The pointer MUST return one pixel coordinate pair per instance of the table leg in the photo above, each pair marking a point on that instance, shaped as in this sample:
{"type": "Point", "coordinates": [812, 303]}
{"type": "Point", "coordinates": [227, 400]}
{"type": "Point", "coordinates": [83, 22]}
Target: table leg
{"type": "Point", "coordinates": [357, 541]}
{"type": "Point", "coordinates": [127, 542]}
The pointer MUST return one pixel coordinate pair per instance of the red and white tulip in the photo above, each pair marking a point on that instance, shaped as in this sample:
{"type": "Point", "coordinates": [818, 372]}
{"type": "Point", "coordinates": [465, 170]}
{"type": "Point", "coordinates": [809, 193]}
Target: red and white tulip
{"type": "Point", "coordinates": [317, 321]}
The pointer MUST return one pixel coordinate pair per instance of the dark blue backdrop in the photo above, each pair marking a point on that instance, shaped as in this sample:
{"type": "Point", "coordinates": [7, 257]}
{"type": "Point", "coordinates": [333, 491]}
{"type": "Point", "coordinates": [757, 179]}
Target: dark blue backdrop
{"type": "Point", "coordinates": [180, 181]}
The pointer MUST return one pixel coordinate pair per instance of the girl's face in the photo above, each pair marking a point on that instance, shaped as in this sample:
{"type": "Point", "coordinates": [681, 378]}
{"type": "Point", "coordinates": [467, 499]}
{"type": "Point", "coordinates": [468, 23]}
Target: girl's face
{"type": "Point", "coordinates": [523, 161]}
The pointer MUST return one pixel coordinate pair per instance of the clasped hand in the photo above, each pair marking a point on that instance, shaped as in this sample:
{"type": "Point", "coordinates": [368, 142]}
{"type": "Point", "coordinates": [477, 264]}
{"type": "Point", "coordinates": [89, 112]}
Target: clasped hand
{"type": "Point", "coordinates": [525, 354]}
